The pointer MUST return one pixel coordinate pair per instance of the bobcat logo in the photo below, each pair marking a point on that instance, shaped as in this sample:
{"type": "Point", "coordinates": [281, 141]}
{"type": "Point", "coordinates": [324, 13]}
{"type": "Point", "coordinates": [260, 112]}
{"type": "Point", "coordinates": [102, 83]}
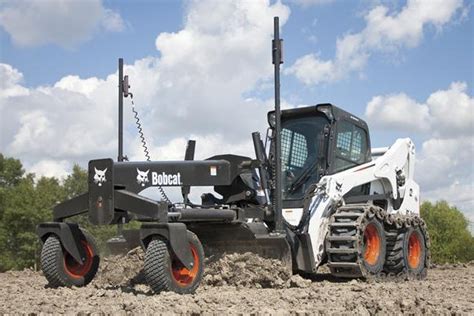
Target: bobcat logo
{"type": "Point", "coordinates": [142, 177]}
{"type": "Point", "coordinates": [99, 176]}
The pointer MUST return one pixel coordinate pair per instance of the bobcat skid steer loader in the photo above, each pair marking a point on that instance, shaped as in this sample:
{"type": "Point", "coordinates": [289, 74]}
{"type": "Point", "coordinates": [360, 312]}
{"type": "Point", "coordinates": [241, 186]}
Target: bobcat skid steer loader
{"type": "Point", "coordinates": [317, 194]}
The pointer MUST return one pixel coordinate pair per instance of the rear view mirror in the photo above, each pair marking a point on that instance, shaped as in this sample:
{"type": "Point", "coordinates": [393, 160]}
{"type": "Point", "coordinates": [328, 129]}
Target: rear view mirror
{"type": "Point", "coordinates": [271, 119]}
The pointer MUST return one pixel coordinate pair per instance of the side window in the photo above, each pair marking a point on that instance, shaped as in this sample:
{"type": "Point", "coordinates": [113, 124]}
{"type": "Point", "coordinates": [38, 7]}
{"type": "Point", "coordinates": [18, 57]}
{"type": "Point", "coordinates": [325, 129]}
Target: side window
{"type": "Point", "coordinates": [294, 149]}
{"type": "Point", "coordinates": [351, 146]}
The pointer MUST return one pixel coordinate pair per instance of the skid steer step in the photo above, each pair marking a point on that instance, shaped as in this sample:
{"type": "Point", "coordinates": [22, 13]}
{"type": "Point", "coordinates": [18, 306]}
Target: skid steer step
{"type": "Point", "coordinates": [343, 264]}
{"type": "Point", "coordinates": [346, 214]}
{"type": "Point", "coordinates": [341, 238]}
{"type": "Point", "coordinates": [353, 208]}
{"type": "Point", "coordinates": [342, 250]}
{"type": "Point", "coordinates": [343, 224]}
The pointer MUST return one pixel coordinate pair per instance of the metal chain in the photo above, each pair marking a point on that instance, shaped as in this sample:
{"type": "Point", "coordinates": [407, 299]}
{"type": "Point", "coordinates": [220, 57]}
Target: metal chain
{"type": "Point", "coordinates": [145, 147]}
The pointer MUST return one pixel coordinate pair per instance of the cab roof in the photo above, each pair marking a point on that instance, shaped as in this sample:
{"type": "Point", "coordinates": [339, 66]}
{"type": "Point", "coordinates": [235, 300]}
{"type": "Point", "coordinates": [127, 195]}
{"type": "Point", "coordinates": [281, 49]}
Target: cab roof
{"type": "Point", "coordinates": [332, 113]}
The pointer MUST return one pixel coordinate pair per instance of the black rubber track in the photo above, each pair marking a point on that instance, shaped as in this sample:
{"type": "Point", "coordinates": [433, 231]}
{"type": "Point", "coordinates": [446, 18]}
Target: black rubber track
{"type": "Point", "coordinates": [394, 262]}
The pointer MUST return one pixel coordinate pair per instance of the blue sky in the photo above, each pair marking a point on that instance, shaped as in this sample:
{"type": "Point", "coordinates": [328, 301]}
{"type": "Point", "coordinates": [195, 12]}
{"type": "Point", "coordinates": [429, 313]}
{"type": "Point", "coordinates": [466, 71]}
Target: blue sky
{"type": "Point", "coordinates": [443, 56]}
{"type": "Point", "coordinates": [415, 56]}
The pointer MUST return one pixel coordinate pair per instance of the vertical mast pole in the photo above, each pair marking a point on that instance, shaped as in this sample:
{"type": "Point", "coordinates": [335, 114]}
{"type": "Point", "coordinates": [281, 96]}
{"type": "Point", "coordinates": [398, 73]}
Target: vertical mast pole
{"type": "Point", "coordinates": [120, 110]}
{"type": "Point", "coordinates": [277, 60]}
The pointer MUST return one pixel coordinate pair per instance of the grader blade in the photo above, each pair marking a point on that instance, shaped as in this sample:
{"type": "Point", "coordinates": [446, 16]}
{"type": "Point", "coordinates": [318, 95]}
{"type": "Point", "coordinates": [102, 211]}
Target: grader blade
{"type": "Point", "coordinates": [219, 239]}
{"type": "Point", "coordinates": [121, 244]}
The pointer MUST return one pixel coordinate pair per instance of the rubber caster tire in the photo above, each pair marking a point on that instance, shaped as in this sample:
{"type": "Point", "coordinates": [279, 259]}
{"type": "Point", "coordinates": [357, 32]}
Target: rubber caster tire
{"type": "Point", "coordinates": [374, 246]}
{"type": "Point", "coordinates": [164, 272]}
{"type": "Point", "coordinates": [60, 268]}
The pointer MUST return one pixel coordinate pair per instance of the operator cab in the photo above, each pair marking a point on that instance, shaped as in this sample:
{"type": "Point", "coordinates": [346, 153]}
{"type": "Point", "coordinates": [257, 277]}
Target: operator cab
{"type": "Point", "coordinates": [317, 141]}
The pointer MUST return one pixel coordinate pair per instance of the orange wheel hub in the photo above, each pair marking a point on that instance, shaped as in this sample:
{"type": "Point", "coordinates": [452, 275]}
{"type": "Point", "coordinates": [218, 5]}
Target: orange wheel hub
{"type": "Point", "coordinates": [73, 268]}
{"type": "Point", "coordinates": [182, 275]}
{"type": "Point", "coordinates": [414, 251]}
{"type": "Point", "coordinates": [372, 244]}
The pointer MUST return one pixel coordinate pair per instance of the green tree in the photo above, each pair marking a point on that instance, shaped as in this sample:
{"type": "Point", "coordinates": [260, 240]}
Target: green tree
{"type": "Point", "coordinates": [75, 183]}
{"type": "Point", "coordinates": [451, 240]}
{"type": "Point", "coordinates": [26, 204]}
{"type": "Point", "coordinates": [11, 173]}
{"type": "Point", "coordinates": [26, 201]}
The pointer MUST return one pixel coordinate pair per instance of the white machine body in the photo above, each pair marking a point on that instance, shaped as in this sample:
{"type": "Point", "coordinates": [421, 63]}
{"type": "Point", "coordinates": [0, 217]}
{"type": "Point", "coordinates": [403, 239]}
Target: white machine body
{"type": "Point", "coordinates": [390, 173]}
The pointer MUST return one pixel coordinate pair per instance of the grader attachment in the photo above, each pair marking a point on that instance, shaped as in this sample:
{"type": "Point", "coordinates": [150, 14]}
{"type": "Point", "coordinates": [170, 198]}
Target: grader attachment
{"type": "Point", "coordinates": [218, 239]}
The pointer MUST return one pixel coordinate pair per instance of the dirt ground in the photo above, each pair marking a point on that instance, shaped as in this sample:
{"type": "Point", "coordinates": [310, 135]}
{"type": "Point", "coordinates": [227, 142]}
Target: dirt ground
{"type": "Point", "coordinates": [240, 284]}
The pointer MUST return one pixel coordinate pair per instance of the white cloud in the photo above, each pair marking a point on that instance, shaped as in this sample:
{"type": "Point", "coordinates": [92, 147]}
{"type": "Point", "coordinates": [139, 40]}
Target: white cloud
{"type": "Point", "coordinates": [64, 23]}
{"type": "Point", "coordinates": [384, 31]}
{"type": "Point", "coordinates": [446, 113]}
{"type": "Point", "coordinates": [456, 194]}
{"type": "Point", "coordinates": [311, 70]}
{"type": "Point", "coordinates": [397, 110]}
{"type": "Point", "coordinates": [112, 21]}
{"type": "Point", "coordinates": [308, 3]}
{"type": "Point", "coordinates": [197, 88]}
{"type": "Point", "coordinates": [76, 84]}
{"type": "Point", "coordinates": [52, 168]}
{"type": "Point", "coordinates": [452, 111]}
{"type": "Point", "coordinates": [446, 162]}
{"type": "Point", "coordinates": [445, 166]}
{"type": "Point", "coordinates": [10, 82]}
{"type": "Point", "coordinates": [58, 124]}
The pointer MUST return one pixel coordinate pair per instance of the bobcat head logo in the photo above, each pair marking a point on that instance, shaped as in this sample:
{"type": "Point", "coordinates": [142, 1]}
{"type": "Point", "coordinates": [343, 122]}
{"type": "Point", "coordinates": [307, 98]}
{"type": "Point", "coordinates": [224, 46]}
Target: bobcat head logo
{"type": "Point", "coordinates": [99, 176]}
{"type": "Point", "coordinates": [142, 177]}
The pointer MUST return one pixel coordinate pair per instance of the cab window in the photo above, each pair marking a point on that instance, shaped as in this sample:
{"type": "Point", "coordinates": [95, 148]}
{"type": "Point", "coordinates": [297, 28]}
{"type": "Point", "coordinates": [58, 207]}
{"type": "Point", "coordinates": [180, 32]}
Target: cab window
{"type": "Point", "coordinates": [294, 149]}
{"type": "Point", "coordinates": [351, 146]}
{"type": "Point", "coordinates": [299, 153]}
